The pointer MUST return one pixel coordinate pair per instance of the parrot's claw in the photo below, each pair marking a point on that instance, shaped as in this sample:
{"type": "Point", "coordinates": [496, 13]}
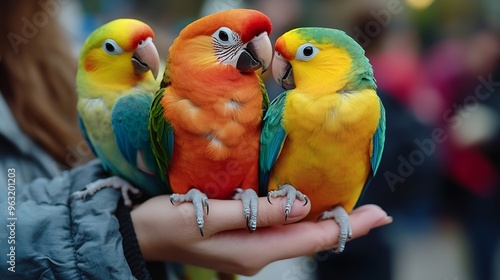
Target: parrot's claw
{"type": "Point", "coordinates": [291, 194]}
{"type": "Point", "coordinates": [110, 182]}
{"type": "Point", "coordinates": [342, 218]}
{"type": "Point", "coordinates": [200, 202]}
{"type": "Point", "coordinates": [250, 205]}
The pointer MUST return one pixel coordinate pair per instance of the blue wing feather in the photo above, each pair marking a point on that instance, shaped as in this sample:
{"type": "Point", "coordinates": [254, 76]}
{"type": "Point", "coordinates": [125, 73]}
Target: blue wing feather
{"type": "Point", "coordinates": [271, 140]}
{"type": "Point", "coordinates": [378, 141]}
{"type": "Point", "coordinates": [129, 119]}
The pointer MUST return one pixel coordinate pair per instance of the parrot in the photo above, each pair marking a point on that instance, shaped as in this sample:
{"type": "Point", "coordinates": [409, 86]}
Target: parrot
{"type": "Point", "coordinates": [116, 82]}
{"type": "Point", "coordinates": [323, 137]}
{"type": "Point", "coordinates": [206, 118]}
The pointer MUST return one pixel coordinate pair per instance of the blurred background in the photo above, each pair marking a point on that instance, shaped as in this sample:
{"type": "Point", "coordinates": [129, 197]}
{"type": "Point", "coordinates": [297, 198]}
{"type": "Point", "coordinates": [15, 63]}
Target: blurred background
{"type": "Point", "coordinates": [438, 72]}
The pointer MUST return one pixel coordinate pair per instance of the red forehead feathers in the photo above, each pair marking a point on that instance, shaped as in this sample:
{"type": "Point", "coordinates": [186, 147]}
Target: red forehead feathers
{"type": "Point", "coordinates": [248, 23]}
{"type": "Point", "coordinates": [280, 47]}
{"type": "Point", "coordinates": [138, 33]}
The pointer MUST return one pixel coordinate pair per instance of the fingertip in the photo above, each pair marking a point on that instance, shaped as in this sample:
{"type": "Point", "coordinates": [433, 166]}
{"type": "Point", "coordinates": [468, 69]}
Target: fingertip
{"type": "Point", "coordinates": [368, 217]}
{"type": "Point", "coordinates": [298, 211]}
{"type": "Point", "coordinates": [384, 221]}
{"type": "Point", "coordinates": [274, 213]}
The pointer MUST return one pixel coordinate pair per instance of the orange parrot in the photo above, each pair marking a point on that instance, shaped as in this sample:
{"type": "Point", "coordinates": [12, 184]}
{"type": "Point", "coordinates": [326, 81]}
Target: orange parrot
{"type": "Point", "coordinates": [205, 120]}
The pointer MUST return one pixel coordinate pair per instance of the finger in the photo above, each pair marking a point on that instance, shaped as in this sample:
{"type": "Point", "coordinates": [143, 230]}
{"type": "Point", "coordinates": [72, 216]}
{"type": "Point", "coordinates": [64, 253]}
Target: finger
{"type": "Point", "coordinates": [228, 214]}
{"type": "Point", "coordinates": [367, 217]}
{"type": "Point", "coordinates": [269, 244]}
{"type": "Point", "coordinates": [362, 220]}
{"type": "Point", "coordinates": [306, 238]}
{"type": "Point", "coordinates": [224, 214]}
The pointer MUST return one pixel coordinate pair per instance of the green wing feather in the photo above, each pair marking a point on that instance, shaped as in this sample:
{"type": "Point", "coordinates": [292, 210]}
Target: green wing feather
{"type": "Point", "coordinates": [160, 130]}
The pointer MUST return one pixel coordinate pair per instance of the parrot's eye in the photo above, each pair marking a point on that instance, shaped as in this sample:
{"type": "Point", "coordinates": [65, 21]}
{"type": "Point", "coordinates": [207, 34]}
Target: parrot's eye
{"type": "Point", "coordinates": [306, 52]}
{"type": "Point", "coordinates": [111, 47]}
{"type": "Point", "coordinates": [225, 36]}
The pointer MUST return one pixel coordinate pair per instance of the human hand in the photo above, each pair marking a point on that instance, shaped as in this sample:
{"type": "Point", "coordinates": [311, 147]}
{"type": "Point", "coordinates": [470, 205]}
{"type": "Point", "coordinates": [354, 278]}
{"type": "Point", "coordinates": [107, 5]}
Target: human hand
{"type": "Point", "coordinates": [168, 232]}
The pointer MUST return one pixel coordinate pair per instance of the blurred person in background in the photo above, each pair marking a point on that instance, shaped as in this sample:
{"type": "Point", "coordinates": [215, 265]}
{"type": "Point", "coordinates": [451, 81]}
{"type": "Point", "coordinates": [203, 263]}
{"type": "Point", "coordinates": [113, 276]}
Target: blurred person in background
{"type": "Point", "coordinates": [39, 130]}
{"type": "Point", "coordinates": [471, 193]}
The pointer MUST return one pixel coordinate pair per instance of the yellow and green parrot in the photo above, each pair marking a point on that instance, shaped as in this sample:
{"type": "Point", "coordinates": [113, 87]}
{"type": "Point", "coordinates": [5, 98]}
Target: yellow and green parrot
{"type": "Point", "coordinates": [116, 82]}
{"type": "Point", "coordinates": [206, 119]}
{"type": "Point", "coordinates": [323, 137]}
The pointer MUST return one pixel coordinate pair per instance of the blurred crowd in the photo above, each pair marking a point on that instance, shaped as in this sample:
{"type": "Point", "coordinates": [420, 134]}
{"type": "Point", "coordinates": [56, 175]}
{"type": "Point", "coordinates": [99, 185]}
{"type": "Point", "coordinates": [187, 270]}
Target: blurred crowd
{"type": "Point", "coordinates": [437, 65]}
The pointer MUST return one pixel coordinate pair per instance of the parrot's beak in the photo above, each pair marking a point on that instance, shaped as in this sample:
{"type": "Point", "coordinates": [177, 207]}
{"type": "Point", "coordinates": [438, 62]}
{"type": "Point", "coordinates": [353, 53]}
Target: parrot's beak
{"type": "Point", "coordinates": [146, 58]}
{"type": "Point", "coordinates": [258, 53]}
{"type": "Point", "coordinates": [283, 71]}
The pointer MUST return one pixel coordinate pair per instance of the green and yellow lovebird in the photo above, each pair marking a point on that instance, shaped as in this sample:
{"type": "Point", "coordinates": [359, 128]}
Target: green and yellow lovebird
{"type": "Point", "coordinates": [323, 137]}
{"type": "Point", "coordinates": [116, 81]}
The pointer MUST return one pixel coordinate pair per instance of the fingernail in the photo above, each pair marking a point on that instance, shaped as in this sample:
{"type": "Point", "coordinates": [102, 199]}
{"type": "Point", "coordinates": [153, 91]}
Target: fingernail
{"type": "Point", "coordinates": [297, 211]}
{"type": "Point", "coordinates": [385, 221]}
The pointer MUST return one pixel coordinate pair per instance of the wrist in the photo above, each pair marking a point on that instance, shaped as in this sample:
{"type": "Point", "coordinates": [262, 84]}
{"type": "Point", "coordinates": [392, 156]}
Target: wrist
{"type": "Point", "coordinates": [130, 243]}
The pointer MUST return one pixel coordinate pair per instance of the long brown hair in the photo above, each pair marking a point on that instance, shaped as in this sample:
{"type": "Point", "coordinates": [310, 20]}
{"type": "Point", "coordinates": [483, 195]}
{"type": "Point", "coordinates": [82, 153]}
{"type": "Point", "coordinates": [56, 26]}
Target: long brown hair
{"type": "Point", "coordinates": [37, 78]}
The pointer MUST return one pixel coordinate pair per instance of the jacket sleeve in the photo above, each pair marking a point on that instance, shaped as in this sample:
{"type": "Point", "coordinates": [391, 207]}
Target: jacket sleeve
{"type": "Point", "coordinates": [48, 235]}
